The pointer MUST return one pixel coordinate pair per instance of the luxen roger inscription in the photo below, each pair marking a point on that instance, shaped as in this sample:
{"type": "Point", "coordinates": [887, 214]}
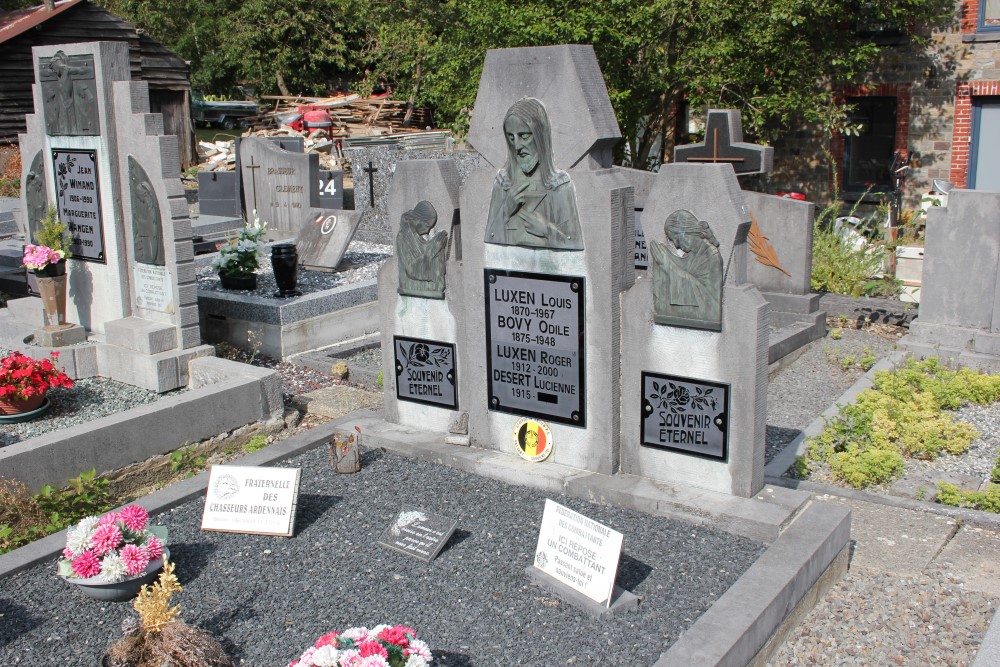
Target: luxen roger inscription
{"type": "Point", "coordinates": [535, 341]}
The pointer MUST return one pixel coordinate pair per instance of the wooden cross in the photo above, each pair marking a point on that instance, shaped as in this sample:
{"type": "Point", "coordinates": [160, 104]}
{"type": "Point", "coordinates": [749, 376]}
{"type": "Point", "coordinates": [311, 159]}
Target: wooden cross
{"type": "Point", "coordinates": [724, 144]}
{"type": "Point", "coordinates": [370, 170]}
{"type": "Point", "coordinates": [253, 178]}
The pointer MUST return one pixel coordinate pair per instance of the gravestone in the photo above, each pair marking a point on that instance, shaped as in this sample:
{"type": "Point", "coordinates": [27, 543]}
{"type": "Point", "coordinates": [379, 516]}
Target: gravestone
{"type": "Point", "coordinates": [693, 398]}
{"type": "Point", "coordinates": [724, 144]}
{"type": "Point", "coordinates": [959, 318]}
{"type": "Point", "coordinates": [323, 239]}
{"type": "Point", "coordinates": [115, 179]}
{"type": "Point", "coordinates": [779, 263]}
{"type": "Point", "coordinates": [280, 185]}
{"type": "Point", "coordinates": [420, 332]}
{"type": "Point", "coordinates": [217, 194]}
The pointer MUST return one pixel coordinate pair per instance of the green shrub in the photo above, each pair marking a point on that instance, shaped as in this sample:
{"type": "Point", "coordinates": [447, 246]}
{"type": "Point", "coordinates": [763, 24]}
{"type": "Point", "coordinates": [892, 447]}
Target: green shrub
{"type": "Point", "coordinates": [380, 380]}
{"type": "Point", "coordinates": [987, 501]}
{"type": "Point", "coordinates": [904, 415]}
{"type": "Point", "coordinates": [255, 444]}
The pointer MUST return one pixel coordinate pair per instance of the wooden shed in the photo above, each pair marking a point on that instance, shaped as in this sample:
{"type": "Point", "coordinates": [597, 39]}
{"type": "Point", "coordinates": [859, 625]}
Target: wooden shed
{"type": "Point", "coordinates": [74, 21]}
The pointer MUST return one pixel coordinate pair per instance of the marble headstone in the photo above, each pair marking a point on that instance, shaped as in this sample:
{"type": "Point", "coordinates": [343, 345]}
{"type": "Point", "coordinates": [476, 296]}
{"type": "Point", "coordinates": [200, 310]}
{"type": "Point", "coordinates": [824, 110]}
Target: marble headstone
{"type": "Point", "coordinates": [323, 239]}
{"type": "Point", "coordinates": [280, 185]}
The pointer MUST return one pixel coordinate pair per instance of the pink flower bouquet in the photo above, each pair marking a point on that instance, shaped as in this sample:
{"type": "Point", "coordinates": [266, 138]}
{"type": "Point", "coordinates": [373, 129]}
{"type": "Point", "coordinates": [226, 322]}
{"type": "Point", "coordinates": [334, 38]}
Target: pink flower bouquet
{"type": "Point", "coordinates": [382, 646]}
{"type": "Point", "coordinates": [114, 546]}
{"type": "Point", "coordinates": [38, 256]}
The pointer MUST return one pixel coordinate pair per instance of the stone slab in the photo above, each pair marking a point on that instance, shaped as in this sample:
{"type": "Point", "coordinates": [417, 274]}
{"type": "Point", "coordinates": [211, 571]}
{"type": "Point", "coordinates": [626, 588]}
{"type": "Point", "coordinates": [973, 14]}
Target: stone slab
{"type": "Point", "coordinates": [337, 401]}
{"type": "Point", "coordinates": [894, 540]}
{"type": "Point", "coordinates": [70, 335]}
{"type": "Point", "coordinates": [324, 236]}
{"type": "Point", "coordinates": [139, 335]}
{"type": "Point", "coordinates": [217, 194]}
{"type": "Point", "coordinates": [972, 553]}
{"type": "Point", "coordinates": [622, 602]}
{"type": "Point", "coordinates": [279, 185]}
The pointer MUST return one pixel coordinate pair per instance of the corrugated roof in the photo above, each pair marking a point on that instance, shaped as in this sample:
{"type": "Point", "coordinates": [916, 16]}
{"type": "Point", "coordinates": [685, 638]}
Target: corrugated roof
{"type": "Point", "coordinates": [19, 21]}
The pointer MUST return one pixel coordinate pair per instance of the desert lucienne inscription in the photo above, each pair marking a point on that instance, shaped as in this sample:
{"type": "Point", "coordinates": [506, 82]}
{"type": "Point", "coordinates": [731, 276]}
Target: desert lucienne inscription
{"type": "Point", "coordinates": [535, 329]}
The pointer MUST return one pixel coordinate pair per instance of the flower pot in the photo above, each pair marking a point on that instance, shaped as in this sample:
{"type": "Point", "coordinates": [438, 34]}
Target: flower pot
{"type": "Point", "coordinates": [285, 261]}
{"type": "Point", "coordinates": [52, 270]}
{"type": "Point", "coordinates": [14, 410]}
{"type": "Point", "coordinates": [99, 589]}
{"type": "Point", "coordinates": [239, 281]}
{"type": "Point", "coordinates": [52, 289]}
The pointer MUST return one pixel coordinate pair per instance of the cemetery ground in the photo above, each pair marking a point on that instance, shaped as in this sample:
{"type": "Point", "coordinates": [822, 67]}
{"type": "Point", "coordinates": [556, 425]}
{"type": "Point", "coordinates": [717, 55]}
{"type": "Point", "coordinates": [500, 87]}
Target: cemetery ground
{"type": "Point", "coordinates": [921, 587]}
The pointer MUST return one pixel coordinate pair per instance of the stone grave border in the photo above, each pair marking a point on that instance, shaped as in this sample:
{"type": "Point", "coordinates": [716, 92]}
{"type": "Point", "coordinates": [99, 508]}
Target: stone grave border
{"type": "Point", "coordinates": [322, 359]}
{"type": "Point", "coordinates": [808, 542]}
{"type": "Point", "coordinates": [223, 395]}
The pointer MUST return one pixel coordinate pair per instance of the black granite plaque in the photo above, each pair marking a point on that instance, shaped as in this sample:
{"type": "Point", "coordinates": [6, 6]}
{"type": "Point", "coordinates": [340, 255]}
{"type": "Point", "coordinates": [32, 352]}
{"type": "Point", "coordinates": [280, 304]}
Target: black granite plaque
{"type": "Point", "coordinates": [425, 372]}
{"type": "Point", "coordinates": [78, 199]}
{"type": "Point", "coordinates": [685, 415]}
{"type": "Point", "coordinates": [641, 251]}
{"type": "Point", "coordinates": [535, 342]}
{"type": "Point", "coordinates": [417, 533]}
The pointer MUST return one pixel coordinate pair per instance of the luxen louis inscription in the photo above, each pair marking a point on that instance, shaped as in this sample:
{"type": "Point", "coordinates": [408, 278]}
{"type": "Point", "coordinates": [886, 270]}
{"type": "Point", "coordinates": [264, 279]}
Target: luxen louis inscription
{"type": "Point", "coordinates": [685, 415]}
{"type": "Point", "coordinates": [536, 345]}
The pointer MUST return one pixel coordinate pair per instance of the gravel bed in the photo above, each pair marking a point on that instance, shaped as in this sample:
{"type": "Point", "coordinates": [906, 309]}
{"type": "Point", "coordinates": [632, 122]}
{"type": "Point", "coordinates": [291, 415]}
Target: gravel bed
{"type": "Point", "coordinates": [364, 260]}
{"type": "Point", "coordinates": [268, 598]}
{"type": "Point", "coordinates": [86, 400]}
{"type": "Point", "coordinates": [295, 380]}
{"type": "Point", "coordinates": [797, 394]}
{"type": "Point", "coordinates": [979, 460]}
{"type": "Point", "coordinates": [368, 358]}
{"type": "Point", "coordinates": [880, 619]}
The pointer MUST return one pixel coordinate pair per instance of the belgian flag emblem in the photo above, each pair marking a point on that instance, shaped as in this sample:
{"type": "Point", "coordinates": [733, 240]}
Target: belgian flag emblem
{"type": "Point", "coordinates": [533, 439]}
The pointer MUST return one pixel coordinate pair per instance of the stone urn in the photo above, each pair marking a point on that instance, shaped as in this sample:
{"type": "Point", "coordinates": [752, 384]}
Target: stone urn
{"type": "Point", "coordinates": [285, 261]}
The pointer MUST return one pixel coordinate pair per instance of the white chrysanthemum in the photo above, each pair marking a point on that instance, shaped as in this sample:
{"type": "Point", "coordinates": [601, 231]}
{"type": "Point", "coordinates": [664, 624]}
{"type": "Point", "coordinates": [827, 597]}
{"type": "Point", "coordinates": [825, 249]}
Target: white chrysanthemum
{"type": "Point", "coordinates": [350, 656]}
{"type": "Point", "coordinates": [355, 634]}
{"type": "Point", "coordinates": [113, 568]}
{"type": "Point", "coordinates": [415, 661]}
{"type": "Point", "coordinates": [325, 656]}
{"type": "Point", "coordinates": [377, 629]}
{"type": "Point", "coordinates": [78, 540]}
{"type": "Point", "coordinates": [88, 524]}
{"type": "Point", "coordinates": [246, 245]}
{"type": "Point", "coordinates": [419, 647]}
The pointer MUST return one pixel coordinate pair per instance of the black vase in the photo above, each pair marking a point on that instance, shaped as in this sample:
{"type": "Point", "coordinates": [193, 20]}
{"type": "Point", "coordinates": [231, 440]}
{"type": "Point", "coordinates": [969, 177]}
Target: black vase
{"type": "Point", "coordinates": [285, 261]}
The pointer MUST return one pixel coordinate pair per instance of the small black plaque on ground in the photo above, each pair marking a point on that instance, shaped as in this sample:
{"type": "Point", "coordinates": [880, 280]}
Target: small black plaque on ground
{"type": "Point", "coordinates": [417, 533]}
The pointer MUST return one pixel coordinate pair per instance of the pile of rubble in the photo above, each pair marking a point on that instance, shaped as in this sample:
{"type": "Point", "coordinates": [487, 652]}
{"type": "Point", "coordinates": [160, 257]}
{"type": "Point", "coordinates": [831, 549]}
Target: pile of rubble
{"type": "Point", "coordinates": [221, 155]}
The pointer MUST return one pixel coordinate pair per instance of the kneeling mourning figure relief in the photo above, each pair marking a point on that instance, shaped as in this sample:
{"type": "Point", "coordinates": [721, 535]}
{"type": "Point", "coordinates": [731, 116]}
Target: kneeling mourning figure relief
{"type": "Point", "coordinates": [687, 274]}
{"type": "Point", "coordinates": [421, 254]}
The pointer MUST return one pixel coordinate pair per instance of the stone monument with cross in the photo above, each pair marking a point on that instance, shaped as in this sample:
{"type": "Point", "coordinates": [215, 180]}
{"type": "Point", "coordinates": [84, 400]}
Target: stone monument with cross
{"type": "Point", "coordinates": [280, 185]}
{"type": "Point", "coordinates": [94, 151]}
{"type": "Point", "coordinates": [724, 144]}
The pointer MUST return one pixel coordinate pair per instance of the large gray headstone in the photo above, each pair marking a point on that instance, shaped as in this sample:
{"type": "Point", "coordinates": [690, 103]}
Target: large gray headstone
{"type": "Point", "coordinates": [693, 401]}
{"type": "Point", "coordinates": [959, 319]}
{"type": "Point", "coordinates": [280, 185]}
{"type": "Point", "coordinates": [780, 259]}
{"type": "Point", "coordinates": [724, 144]}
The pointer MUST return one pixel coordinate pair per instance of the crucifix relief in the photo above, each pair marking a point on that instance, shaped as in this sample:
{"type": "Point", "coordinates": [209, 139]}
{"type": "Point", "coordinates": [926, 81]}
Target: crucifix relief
{"type": "Point", "coordinates": [69, 94]}
{"type": "Point", "coordinates": [724, 144]}
{"type": "Point", "coordinates": [253, 167]}
{"type": "Point", "coordinates": [370, 170]}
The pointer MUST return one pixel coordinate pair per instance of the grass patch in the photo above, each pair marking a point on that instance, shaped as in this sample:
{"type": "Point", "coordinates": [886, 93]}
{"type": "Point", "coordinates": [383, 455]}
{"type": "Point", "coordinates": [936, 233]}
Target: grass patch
{"type": "Point", "coordinates": [905, 415]}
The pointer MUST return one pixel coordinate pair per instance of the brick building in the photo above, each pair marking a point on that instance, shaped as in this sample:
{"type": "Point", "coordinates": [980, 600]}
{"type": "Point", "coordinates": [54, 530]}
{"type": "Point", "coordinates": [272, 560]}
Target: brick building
{"type": "Point", "coordinates": [936, 106]}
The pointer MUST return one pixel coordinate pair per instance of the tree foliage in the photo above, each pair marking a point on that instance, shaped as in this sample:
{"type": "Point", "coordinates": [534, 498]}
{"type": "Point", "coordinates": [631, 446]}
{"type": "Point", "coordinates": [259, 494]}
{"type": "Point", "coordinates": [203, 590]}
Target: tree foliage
{"type": "Point", "coordinates": [775, 60]}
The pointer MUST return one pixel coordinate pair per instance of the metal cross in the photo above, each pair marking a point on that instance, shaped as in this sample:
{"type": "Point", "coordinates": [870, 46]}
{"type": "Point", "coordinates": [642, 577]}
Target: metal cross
{"type": "Point", "coordinates": [370, 170]}
{"type": "Point", "coordinates": [253, 178]}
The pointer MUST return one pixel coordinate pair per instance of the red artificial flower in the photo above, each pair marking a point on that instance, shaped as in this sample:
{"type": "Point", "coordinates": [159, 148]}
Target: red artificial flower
{"type": "Point", "coordinates": [372, 647]}
{"type": "Point", "coordinates": [22, 377]}
{"type": "Point", "coordinates": [329, 639]}
{"type": "Point", "coordinates": [396, 635]}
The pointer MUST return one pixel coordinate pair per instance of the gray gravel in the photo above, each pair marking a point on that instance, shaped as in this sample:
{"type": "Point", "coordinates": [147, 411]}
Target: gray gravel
{"type": "Point", "coordinates": [361, 261]}
{"type": "Point", "coordinates": [979, 460]}
{"type": "Point", "coordinates": [879, 619]}
{"type": "Point", "coordinates": [88, 399]}
{"type": "Point", "coordinates": [268, 598]}
{"type": "Point", "coordinates": [799, 393]}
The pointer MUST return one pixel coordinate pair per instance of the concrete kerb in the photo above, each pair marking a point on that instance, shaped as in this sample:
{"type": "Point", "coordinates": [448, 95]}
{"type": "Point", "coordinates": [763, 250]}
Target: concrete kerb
{"type": "Point", "coordinates": [165, 499]}
{"type": "Point", "coordinates": [756, 604]}
{"type": "Point", "coordinates": [224, 395]}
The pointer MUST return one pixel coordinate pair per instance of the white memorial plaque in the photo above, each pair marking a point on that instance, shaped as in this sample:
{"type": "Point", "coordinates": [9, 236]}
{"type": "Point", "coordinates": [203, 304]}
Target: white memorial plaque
{"type": "Point", "coordinates": [578, 552]}
{"type": "Point", "coordinates": [153, 289]}
{"type": "Point", "coordinates": [246, 499]}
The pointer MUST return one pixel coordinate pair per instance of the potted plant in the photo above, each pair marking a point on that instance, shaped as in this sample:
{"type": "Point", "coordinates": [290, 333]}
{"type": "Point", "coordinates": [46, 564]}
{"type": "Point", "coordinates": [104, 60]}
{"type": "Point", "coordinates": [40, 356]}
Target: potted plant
{"type": "Point", "coordinates": [48, 261]}
{"type": "Point", "coordinates": [239, 258]}
{"type": "Point", "coordinates": [23, 384]}
{"type": "Point", "coordinates": [397, 646]}
{"type": "Point", "coordinates": [160, 637]}
{"type": "Point", "coordinates": [112, 556]}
